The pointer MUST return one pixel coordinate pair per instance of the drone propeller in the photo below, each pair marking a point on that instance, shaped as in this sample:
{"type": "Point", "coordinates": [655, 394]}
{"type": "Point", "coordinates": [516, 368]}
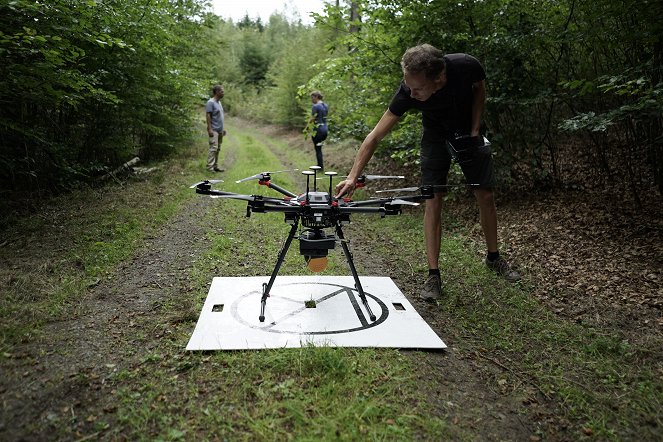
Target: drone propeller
{"type": "Point", "coordinates": [205, 182]}
{"type": "Point", "coordinates": [383, 177]}
{"type": "Point", "coordinates": [263, 175]}
{"type": "Point", "coordinates": [402, 202]}
{"type": "Point", "coordinates": [401, 189]}
{"type": "Point", "coordinates": [372, 177]}
{"type": "Point", "coordinates": [435, 187]}
{"type": "Point", "coordinates": [236, 196]}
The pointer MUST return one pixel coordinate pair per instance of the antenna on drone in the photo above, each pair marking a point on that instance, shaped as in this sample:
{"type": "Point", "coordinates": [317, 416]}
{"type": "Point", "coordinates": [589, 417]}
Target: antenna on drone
{"type": "Point", "coordinates": [330, 175]}
{"type": "Point", "coordinates": [315, 171]}
{"type": "Point", "coordinates": [308, 174]}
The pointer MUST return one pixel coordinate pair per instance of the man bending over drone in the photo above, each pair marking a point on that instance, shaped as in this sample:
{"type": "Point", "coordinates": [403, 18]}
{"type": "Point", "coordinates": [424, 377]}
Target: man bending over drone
{"type": "Point", "coordinates": [450, 92]}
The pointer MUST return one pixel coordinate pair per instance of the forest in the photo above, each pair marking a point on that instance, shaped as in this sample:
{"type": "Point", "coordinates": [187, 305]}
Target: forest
{"type": "Point", "coordinates": [103, 275]}
{"type": "Point", "coordinates": [574, 87]}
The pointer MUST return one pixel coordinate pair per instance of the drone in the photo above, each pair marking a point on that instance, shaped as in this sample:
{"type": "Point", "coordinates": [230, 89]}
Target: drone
{"type": "Point", "coordinates": [321, 216]}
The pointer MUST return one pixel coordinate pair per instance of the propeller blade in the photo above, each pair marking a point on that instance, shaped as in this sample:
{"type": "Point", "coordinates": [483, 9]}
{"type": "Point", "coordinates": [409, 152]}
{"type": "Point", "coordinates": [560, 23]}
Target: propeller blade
{"type": "Point", "coordinates": [381, 177]}
{"type": "Point", "coordinates": [402, 189]}
{"type": "Point", "coordinates": [285, 170]}
{"type": "Point", "coordinates": [403, 202]}
{"type": "Point", "coordinates": [372, 177]}
{"type": "Point", "coordinates": [261, 176]}
{"type": "Point", "coordinates": [203, 182]}
{"type": "Point", "coordinates": [253, 177]}
{"type": "Point", "coordinates": [372, 202]}
{"type": "Point", "coordinates": [223, 193]}
{"type": "Point", "coordinates": [435, 187]}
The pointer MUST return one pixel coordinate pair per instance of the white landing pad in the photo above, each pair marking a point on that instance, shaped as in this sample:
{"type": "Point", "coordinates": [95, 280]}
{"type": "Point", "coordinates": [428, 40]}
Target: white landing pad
{"type": "Point", "coordinates": [336, 317]}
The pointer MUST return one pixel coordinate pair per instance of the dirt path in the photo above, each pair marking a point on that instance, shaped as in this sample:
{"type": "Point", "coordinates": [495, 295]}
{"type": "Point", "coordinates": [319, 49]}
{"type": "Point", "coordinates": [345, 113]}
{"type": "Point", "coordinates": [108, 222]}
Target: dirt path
{"type": "Point", "coordinates": [60, 379]}
{"type": "Point", "coordinates": [464, 388]}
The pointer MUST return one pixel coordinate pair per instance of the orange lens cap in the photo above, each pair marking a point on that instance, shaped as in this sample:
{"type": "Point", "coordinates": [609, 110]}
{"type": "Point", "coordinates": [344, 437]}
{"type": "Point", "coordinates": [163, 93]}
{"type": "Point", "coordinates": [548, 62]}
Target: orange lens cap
{"type": "Point", "coordinates": [317, 264]}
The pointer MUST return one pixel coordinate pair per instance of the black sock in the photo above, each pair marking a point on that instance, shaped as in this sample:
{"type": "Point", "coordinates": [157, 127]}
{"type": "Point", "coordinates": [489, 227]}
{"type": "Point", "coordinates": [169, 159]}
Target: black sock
{"type": "Point", "coordinates": [493, 256]}
{"type": "Point", "coordinates": [433, 272]}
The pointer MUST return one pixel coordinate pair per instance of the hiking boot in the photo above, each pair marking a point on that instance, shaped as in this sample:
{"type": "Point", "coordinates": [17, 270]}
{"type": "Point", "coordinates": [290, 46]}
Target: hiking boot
{"type": "Point", "coordinates": [432, 290]}
{"type": "Point", "coordinates": [216, 169]}
{"type": "Point", "coordinates": [502, 268]}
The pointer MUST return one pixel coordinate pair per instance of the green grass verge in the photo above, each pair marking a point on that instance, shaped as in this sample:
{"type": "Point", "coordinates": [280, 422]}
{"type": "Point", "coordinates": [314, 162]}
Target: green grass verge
{"type": "Point", "coordinates": [76, 240]}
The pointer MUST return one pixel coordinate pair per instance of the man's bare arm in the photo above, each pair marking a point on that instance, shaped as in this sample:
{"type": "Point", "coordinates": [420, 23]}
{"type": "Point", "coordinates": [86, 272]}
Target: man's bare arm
{"type": "Point", "coordinates": [209, 124]}
{"type": "Point", "coordinates": [366, 150]}
{"type": "Point", "coordinates": [478, 104]}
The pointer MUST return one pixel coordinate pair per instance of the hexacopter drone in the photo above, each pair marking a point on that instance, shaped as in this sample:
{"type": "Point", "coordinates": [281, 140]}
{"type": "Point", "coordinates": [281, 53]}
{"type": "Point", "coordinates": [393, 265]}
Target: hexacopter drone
{"type": "Point", "coordinates": [317, 211]}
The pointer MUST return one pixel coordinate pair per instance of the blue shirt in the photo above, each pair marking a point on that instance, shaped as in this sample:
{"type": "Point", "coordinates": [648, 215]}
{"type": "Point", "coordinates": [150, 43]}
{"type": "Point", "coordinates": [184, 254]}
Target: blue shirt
{"type": "Point", "coordinates": [320, 111]}
{"type": "Point", "coordinates": [214, 107]}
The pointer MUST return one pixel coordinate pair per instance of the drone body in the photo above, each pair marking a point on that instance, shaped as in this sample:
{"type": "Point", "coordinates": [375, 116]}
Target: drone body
{"type": "Point", "coordinates": [321, 216]}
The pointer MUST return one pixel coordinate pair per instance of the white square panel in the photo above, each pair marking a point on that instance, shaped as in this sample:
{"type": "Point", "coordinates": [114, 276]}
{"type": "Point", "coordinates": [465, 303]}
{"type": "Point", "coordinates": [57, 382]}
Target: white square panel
{"type": "Point", "coordinates": [336, 316]}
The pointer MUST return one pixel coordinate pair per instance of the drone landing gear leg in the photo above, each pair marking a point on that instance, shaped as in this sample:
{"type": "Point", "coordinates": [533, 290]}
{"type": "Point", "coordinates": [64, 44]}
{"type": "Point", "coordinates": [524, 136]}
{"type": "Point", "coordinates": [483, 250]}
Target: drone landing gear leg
{"type": "Point", "coordinates": [266, 288]}
{"type": "Point", "coordinates": [348, 255]}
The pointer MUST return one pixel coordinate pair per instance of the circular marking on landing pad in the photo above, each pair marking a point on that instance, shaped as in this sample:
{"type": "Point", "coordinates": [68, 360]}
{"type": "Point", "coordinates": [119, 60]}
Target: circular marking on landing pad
{"type": "Point", "coordinates": [290, 310]}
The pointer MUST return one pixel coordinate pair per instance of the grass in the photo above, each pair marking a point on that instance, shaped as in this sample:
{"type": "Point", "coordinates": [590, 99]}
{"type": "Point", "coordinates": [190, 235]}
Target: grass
{"type": "Point", "coordinates": [610, 387]}
{"type": "Point", "coordinates": [314, 393]}
{"type": "Point", "coordinates": [605, 387]}
{"type": "Point", "coordinates": [80, 241]}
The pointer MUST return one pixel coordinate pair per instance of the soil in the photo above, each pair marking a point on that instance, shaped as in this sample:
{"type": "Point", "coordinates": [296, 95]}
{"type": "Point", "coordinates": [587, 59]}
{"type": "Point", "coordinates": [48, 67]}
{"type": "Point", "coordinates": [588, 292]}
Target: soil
{"type": "Point", "coordinates": [589, 256]}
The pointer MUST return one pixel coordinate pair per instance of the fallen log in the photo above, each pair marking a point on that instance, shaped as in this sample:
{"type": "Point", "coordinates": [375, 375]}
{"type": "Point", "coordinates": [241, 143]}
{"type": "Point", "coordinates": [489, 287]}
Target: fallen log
{"type": "Point", "coordinates": [123, 169]}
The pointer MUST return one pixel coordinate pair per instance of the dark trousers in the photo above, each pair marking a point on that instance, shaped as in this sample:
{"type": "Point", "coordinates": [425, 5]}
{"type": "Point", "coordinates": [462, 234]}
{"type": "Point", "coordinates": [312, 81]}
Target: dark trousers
{"type": "Point", "coordinates": [318, 138]}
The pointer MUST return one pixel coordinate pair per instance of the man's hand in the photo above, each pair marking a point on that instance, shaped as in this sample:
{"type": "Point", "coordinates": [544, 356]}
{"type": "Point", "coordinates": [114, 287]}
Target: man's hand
{"type": "Point", "coordinates": [345, 188]}
{"type": "Point", "coordinates": [210, 132]}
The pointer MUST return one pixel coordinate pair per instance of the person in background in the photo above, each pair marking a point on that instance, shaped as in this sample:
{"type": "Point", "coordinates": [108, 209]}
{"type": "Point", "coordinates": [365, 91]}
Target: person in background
{"type": "Point", "coordinates": [318, 118]}
{"type": "Point", "coordinates": [450, 92]}
{"type": "Point", "coordinates": [215, 130]}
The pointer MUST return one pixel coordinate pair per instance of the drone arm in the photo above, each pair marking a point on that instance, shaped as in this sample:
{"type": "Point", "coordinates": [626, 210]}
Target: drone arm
{"type": "Point", "coordinates": [280, 189]}
{"type": "Point", "coordinates": [207, 191]}
{"type": "Point", "coordinates": [260, 207]}
{"type": "Point", "coordinates": [362, 209]}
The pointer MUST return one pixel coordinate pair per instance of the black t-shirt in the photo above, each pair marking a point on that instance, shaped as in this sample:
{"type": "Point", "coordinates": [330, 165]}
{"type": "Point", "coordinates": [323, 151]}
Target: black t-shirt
{"type": "Point", "coordinates": [449, 110]}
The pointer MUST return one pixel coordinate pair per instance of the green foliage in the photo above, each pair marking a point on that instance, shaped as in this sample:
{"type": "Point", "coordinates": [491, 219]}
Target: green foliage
{"type": "Point", "coordinates": [84, 85]}
{"type": "Point", "coordinates": [87, 85]}
{"type": "Point", "coordinates": [555, 70]}
{"type": "Point", "coordinates": [254, 60]}
{"type": "Point", "coordinates": [287, 100]}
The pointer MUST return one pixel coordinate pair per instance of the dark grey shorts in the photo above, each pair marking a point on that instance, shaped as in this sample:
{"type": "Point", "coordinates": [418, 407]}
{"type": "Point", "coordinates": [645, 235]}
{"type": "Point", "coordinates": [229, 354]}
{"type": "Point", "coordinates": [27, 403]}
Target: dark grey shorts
{"type": "Point", "coordinates": [477, 166]}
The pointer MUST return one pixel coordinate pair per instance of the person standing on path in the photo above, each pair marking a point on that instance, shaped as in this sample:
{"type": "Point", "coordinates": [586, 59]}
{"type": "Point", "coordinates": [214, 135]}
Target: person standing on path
{"type": "Point", "coordinates": [319, 112]}
{"type": "Point", "coordinates": [449, 91]}
{"type": "Point", "coordinates": [215, 130]}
